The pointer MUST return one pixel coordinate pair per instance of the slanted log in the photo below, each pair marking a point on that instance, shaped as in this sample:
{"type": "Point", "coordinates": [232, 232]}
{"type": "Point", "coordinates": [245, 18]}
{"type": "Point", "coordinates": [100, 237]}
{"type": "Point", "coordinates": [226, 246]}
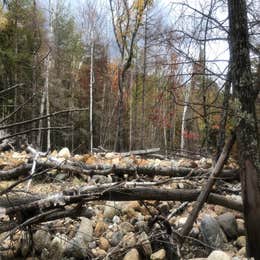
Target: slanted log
{"type": "Point", "coordinates": [204, 194]}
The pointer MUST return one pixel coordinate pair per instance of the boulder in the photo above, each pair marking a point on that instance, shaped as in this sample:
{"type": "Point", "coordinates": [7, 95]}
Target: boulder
{"type": "Point", "coordinates": [212, 232]}
{"type": "Point", "coordinates": [64, 153]}
{"type": "Point", "coordinates": [218, 254]}
{"type": "Point", "coordinates": [229, 225]}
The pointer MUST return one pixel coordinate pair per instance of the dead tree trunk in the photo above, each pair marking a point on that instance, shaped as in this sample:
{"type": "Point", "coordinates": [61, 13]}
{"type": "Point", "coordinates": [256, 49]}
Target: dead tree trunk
{"type": "Point", "coordinates": [202, 198]}
{"type": "Point", "coordinates": [248, 142]}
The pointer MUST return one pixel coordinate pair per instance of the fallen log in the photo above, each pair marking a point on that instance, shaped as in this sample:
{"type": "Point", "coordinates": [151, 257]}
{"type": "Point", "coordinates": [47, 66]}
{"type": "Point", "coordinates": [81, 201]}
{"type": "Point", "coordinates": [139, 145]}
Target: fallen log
{"type": "Point", "coordinates": [20, 171]}
{"type": "Point", "coordinates": [61, 213]}
{"type": "Point", "coordinates": [112, 191]}
{"type": "Point", "coordinates": [83, 169]}
{"type": "Point", "coordinates": [172, 171]}
{"type": "Point", "coordinates": [140, 152]}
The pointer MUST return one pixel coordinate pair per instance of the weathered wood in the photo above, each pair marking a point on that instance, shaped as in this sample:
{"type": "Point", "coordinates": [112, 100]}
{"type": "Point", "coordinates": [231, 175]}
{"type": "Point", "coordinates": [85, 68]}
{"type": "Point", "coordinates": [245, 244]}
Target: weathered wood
{"type": "Point", "coordinates": [83, 169]}
{"type": "Point", "coordinates": [140, 152]}
{"type": "Point", "coordinates": [20, 171]}
{"type": "Point", "coordinates": [112, 191]}
{"type": "Point", "coordinates": [72, 213]}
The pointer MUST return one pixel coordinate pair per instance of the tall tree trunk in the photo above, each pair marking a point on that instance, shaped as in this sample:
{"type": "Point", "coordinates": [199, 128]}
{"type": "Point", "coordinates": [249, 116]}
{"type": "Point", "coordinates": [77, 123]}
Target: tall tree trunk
{"type": "Point", "coordinates": [91, 80]}
{"type": "Point", "coordinates": [45, 95]}
{"type": "Point", "coordinates": [131, 113]}
{"type": "Point", "coordinates": [39, 137]}
{"type": "Point", "coordinates": [135, 133]}
{"type": "Point", "coordinates": [144, 82]}
{"type": "Point", "coordinates": [34, 69]}
{"type": "Point", "coordinates": [184, 115]}
{"type": "Point", "coordinates": [248, 142]}
{"type": "Point", "coordinates": [15, 69]}
{"type": "Point", "coordinates": [119, 132]}
{"type": "Point", "coordinates": [48, 106]}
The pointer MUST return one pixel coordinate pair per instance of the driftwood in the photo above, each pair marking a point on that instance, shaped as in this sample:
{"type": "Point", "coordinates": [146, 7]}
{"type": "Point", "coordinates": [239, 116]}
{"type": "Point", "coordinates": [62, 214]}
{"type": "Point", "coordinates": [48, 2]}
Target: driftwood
{"type": "Point", "coordinates": [204, 194]}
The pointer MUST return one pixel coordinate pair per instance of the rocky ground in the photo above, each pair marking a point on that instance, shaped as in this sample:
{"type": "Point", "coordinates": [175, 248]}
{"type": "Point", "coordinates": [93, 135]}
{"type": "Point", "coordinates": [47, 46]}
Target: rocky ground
{"type": "Point", "coordinates": [126, 230]}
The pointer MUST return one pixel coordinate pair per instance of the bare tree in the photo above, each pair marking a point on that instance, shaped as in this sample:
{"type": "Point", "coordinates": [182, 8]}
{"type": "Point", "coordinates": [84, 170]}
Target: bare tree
{"type": "Point", "coordinates": [126, 19]}
{"type": "Point", "coordinates": [45, 103]}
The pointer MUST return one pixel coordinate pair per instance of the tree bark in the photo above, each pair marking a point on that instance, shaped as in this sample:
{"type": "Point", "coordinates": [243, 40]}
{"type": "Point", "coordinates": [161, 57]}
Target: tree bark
{"type": "Point", "coordinates": [24, 170]}
{"type": "Point", "coordinates": [15, 203]}
{"type": "Point", "coordinates": [248, 140]}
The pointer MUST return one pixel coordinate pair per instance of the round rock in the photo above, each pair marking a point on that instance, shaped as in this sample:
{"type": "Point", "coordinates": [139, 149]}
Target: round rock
{"type": "Point", "coordinates": [218, 254]}
{"type": "Point", "coordinates": [212, 232]}
{"type": "Point", "coordinates": [229, 225]}
{"type": "Point", "coordinates": [132, 255]}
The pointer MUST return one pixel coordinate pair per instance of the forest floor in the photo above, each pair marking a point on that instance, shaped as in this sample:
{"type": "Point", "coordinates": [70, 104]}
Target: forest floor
{"type": "Point", "coordinates": [97, 223]}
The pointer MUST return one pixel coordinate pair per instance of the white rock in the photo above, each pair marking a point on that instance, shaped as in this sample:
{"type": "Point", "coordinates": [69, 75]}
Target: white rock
{"type": "Point", "coordinates": [159, 255]}
{"type": "Point", "coordinates": [64, 153]}
{"type": "Point", "coordinates": [116, 219]}
{"type": "Point", "coordinates": [218, 254]}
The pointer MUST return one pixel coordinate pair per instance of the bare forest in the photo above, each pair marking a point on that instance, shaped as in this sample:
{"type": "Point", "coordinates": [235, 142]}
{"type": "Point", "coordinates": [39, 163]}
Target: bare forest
{"type": "Point", "coordinates": [129, 129]}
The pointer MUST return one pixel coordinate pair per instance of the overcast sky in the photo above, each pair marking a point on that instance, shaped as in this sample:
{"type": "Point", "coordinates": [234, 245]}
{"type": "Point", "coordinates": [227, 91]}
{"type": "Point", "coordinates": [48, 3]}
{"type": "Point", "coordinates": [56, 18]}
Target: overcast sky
{"type": "Point", "coordinates": [170, 12]}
